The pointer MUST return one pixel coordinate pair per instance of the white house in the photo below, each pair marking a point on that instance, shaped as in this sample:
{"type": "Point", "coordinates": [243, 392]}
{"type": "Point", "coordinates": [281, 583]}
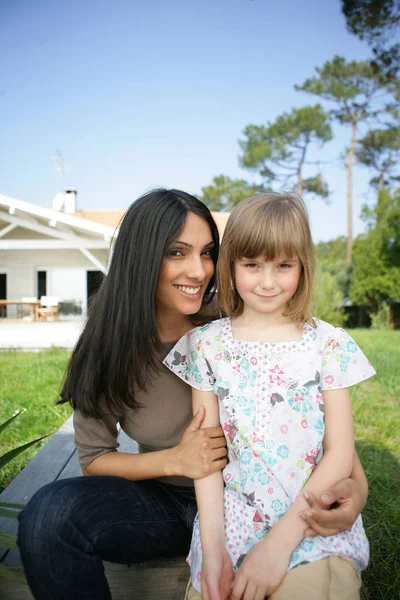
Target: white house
{"type": "Point", "coordinates": [56, 252]}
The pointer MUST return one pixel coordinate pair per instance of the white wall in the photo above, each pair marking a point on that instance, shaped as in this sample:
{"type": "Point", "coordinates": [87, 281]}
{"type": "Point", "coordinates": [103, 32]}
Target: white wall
{"type": "Point", "coordinates": [66, 273]}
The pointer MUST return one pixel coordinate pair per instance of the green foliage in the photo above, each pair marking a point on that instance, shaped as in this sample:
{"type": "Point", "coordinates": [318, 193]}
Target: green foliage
{"type": "Point", "coordinates": [331, 257]}
{"type": "Point", "coordinates": [331, 252]}
{"type": "Point", "coordinates": [316, 186]}
{"type": "Point", "coordinates": [382, 319]}
{"type": "Point", "coordinates": [350, 85]}
{"type": "Point", "coordinates": [376, 256]}
{"type": "Point", "coordinates": [328, 298]}
{"type": "Point", "coordinates": [278, 151]}
{"type": "Point", "coordinates": [380, 150]}
{"type": "Point", "coordinates": [369, 18]}
{"type": "Point", "coordinates": [377, 22]}
{"type": "Point", "coordinates": [225, 193]}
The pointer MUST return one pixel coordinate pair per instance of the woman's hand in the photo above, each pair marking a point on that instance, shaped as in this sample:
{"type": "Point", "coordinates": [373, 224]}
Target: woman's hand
{"type": "Point", "coordinates": [261, 572]}
{"type": "Point", "coordinates": [349, 499]}
{"type": "Point", "coordinates": [200, 451]}
{"type": "Point", "coordinates": [216, 575]}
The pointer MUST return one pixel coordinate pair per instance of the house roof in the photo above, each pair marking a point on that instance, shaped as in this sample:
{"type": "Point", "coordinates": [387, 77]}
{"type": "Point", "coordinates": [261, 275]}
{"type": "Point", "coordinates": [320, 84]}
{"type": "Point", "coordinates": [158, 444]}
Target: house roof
{"type": "Point", "coordinates": [20, 209]}
{"type": "Point", "coordinates": [26, 226]}
{"type": "Point", "coordinates": [113, 217]}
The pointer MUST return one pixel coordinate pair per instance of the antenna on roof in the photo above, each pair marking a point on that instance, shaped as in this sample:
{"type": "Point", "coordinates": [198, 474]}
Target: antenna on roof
{"type": "Point", "coordinates": [60, 166]}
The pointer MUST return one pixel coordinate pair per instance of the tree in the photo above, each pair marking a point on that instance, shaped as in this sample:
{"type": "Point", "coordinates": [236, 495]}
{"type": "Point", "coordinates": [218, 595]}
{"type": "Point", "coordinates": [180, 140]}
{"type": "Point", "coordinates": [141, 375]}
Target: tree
{"type": "Point", "coordinates": [331, 252]}
{"type": "Point", "coordinates": [332, 280]}
{"type": "Point", "coordinates": [377, 22]}
{"type": "Point", "coordinates": [278, 150]}
{"type": "Point", "coordinates": [376, 256]}
{"type": "Point", "coordinates": [328, 297]}
{"type": "Point", "coordinates": [225, 193]}
{"type": "Point", "coordinates": [380, 150]}
{"type": "Point", "coordinates": [352, 87]}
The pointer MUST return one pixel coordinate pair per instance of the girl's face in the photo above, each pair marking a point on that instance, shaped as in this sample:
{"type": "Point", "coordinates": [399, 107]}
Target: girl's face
{"type": "Point", "coordinates": [267, 286]}
{"type": "Point", "coordinates": [187, 269]}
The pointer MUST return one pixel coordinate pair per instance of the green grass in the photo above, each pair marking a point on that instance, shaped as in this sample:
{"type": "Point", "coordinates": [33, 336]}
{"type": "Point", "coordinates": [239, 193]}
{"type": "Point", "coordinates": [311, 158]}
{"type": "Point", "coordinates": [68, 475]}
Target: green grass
{"type": "Point", "coordinates": [32, 381]}
{"type": "Point", "coordinates": [29, 380]}
{"type": "Point", "coordinates": [377, 431]}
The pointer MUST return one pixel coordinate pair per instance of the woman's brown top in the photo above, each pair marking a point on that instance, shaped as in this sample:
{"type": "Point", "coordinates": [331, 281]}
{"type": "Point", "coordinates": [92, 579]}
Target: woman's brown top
{"type": "Point", "coordinates": [165, 412]}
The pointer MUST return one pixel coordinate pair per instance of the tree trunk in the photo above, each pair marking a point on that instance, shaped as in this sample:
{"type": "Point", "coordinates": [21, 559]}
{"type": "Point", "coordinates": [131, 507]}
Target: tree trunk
{"type": "Point", "coordinates": [380, 181]}
{"type": "Point", "coordinates": [299, 187]}
{"type": "Point", "coordinates": [350, 161]}
{"type": "Point", "coordinates": [382, 174]}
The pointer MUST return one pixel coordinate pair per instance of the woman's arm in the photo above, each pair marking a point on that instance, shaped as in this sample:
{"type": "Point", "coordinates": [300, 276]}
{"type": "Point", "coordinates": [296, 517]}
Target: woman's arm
{"type": "Point", "coordinates": [217, 568]}
{"type": "Point", "coordinates": [349, 496]}
{"type": "Point", "coordinates": [199, 453]}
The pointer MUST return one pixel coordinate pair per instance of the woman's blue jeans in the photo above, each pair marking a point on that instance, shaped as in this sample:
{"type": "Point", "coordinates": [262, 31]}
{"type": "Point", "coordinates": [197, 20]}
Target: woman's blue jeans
{"type": "Point", "coordinates": [70, 526]}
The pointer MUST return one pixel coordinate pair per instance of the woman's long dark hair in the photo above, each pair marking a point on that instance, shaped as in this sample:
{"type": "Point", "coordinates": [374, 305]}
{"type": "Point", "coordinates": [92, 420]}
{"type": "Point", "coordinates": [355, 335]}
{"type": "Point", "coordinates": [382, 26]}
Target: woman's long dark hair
{"type": "Point", "coordinates": [119, 347]}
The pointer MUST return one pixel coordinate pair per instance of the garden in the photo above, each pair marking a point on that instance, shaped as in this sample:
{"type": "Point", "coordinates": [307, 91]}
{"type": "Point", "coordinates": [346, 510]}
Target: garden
{"type": "Point", "coordinates": [33, 381]}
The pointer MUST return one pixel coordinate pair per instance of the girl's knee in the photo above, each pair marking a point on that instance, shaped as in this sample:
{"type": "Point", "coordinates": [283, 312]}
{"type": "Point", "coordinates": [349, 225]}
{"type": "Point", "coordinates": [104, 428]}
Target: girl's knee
{"type": "Point", "coordinates": [330, 578]}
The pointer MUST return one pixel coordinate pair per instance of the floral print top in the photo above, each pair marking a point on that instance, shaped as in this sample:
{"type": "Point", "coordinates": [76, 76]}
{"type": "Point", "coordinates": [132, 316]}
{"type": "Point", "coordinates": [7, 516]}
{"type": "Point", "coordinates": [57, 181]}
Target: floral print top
{"type": "Point", "coordinates": [271, 409]}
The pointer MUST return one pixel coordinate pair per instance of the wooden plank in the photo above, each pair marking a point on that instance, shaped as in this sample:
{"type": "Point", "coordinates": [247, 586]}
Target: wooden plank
{"type": "Point", "coordinates": [125, 583]}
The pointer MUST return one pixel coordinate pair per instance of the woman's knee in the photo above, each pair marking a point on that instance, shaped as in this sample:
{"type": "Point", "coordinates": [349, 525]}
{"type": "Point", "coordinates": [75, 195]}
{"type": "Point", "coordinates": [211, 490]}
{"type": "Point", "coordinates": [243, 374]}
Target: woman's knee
{"type": "Point", "coordinates": [45, 515]}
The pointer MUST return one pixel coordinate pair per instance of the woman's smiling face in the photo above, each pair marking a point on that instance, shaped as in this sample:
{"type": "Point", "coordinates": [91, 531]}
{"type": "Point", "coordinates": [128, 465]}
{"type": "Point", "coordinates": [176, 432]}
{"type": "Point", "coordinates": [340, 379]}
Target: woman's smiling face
{"type": "Point", "coordinates": [187, 269]}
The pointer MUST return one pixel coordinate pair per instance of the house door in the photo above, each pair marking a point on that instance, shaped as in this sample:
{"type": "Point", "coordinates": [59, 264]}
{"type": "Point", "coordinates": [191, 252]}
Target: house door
{"type": "Point", "coordinates": [41, 284]}
{"type": "Point", "coordinates": [3, 293]}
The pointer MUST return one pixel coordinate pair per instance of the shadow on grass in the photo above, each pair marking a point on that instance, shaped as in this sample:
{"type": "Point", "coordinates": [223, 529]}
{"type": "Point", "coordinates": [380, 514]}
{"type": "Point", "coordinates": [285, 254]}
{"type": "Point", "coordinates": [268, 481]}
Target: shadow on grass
{"type": "Point", "coordinates": [381, 516]}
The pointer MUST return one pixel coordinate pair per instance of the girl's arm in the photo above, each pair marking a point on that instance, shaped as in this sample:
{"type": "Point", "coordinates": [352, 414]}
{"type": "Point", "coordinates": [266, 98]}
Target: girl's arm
{"type": "Point", "coordinates": [217, 569]}
{"type": "Point", "coordinates": [264, 568]}
{"type": "Point", "coordinates": [199, 453]}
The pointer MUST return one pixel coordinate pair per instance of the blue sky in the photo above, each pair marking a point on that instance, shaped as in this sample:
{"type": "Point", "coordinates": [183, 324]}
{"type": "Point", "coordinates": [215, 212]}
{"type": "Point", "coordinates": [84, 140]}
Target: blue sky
{"type": "Point", "coordinates": [137, 94]}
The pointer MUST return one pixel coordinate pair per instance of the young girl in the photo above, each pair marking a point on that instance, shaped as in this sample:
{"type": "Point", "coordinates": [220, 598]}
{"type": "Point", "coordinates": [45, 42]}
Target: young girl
{"type": "Point", "coordinates": [281, 378]}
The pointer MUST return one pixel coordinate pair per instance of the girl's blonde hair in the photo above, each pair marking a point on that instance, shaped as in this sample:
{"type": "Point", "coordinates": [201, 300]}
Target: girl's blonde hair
{"type": "Point", "coordinates": [268, 225]}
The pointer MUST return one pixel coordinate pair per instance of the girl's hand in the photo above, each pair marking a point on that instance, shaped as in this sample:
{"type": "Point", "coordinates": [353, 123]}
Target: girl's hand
{"type": "Point", "coordinates": [200, 451]}
{"type": "Point", "coordinates": [261, 572]}
{"type": "Point", "coordinates": [348, 497]}
{"type": "Point", "coordinates": [216, 575]}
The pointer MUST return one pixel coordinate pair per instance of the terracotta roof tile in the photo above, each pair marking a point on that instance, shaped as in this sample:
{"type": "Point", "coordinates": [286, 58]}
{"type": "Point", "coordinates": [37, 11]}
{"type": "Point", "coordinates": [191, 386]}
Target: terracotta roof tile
{"type": "Point", "coordinates": [112, 217]}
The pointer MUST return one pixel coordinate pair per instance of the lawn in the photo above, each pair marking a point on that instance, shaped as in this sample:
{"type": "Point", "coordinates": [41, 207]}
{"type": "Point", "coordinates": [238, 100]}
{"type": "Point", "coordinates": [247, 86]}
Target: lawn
{"type": "Point", "coordinates": [32, 381]}
{"type": "Point", "coordinates": [377, 431]}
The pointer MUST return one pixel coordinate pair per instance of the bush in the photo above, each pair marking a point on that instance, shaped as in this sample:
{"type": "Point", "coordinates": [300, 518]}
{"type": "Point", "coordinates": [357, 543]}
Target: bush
{"type": "Point", "coordinates": [382, 319]}
{"type": "Point", "coordinates": [328, 298]}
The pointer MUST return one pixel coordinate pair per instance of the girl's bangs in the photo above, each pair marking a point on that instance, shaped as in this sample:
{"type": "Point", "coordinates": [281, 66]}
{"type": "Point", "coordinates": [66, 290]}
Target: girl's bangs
{"type": "Point", "coordinates": [264, 235]}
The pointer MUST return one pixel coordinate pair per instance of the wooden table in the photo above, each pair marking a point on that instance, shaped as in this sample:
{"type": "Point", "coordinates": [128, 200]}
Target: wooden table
{"type": "Point", "coordinates": [33, 306]}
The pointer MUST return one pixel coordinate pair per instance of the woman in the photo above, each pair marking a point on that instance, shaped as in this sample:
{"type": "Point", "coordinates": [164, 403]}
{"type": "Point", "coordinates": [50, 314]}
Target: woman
{"type": "Point", "coordinates": [137, 507]}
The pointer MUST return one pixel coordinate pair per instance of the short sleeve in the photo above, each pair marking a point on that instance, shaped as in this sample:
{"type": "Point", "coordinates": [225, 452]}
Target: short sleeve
{"type": "Point", "coordinates": [188, 360]}
{"type": "Point", "coordinates": [343, 363]}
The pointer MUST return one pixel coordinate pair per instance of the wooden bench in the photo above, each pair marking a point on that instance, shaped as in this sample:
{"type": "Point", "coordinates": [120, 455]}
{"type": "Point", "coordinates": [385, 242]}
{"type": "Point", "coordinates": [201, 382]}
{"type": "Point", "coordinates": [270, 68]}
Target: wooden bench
{"type": "Point", "coordinates": [161, 578]}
